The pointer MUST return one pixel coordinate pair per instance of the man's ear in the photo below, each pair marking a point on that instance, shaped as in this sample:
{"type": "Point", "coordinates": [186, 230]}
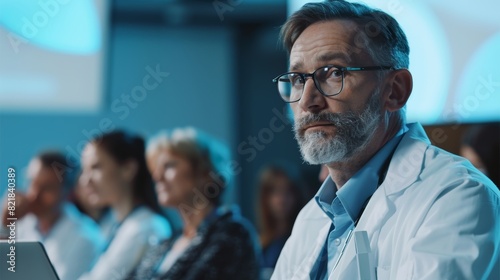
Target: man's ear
{"type": "Point", "coordinates": [398, 88]}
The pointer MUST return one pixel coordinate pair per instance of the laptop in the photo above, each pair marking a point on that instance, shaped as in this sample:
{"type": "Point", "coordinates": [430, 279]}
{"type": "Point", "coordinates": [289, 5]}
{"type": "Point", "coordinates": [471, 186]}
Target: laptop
{"type": "Point", "coordinates": [25, 260]}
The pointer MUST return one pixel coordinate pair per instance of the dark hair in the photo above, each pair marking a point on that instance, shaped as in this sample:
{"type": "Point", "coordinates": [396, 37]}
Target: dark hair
{"type": "Point", "coordinates": [57, 162]}
{"type": "Point", "coordinates": [123, 146]}
{"type": "Point", "coordinates": [267, 182]}
{"type": "Point", "coordinates": [484, 139]}
{"type": "Point", "coordinates": [380, 34]}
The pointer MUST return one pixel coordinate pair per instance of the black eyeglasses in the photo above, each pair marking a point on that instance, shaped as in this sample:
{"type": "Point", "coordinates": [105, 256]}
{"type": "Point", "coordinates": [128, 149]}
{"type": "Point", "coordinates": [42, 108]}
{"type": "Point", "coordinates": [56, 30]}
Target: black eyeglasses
{"type": "Point", "coordinates": [329, 80]}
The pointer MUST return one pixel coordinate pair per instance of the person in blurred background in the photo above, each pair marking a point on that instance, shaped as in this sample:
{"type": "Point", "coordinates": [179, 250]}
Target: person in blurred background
{"type": "Point", "coordinates": [481, 146]}
{"type": "Point", "coordinates": [280, 200]}
{"type": "Point", "coordinates": [114, 169]}
{"type": "Point", "coordinates": [84, 200]}
{"type": "Point", "coordinates": [215, 243]}
{"type": "Point", "coordinates": [72, 240]}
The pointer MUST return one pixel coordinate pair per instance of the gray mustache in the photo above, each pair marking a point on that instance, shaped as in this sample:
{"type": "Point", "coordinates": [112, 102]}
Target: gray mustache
{"type": "Point", "coordinates": [307, 120]}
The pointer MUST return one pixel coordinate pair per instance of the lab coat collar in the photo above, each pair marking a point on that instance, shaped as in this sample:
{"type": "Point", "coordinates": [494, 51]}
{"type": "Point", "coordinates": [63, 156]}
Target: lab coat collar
{"type": "Point", "coordinates": [407, 161]}
{"type": "Point", "coordinates": [352, 197]}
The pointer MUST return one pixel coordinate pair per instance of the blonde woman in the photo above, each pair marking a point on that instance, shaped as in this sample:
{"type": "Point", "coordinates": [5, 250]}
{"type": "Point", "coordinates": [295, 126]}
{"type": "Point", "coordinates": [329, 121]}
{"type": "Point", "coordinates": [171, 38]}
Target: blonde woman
{"type": "Point", "coordinates": [190, 171]}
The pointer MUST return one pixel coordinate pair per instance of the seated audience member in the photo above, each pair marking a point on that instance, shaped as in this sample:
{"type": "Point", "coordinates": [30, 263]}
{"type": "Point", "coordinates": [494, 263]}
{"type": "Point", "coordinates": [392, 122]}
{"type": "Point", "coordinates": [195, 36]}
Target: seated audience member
{"type": "Point", "coordinates": [215, 243]}
{"type": "Point", "coordinates": [72, 240]}
{"type": "Point", "coordinates": [115, 171]}
{"type": "Point", "coordinates": [280, 200]}
{"type": "Point", "coordinates": [84, 200]}
{"type": "Point", "coordinates": [481, 146]}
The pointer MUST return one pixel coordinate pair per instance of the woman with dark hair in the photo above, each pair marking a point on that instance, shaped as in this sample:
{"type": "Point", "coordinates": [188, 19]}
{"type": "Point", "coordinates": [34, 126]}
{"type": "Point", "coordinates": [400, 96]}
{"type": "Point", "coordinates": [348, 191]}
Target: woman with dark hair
{"type": "Point", "coordinates": [114, 171]}
{"type": "Point", "coordinates": [280, 200]}
{"type": "Point", "coordinates": [191, 173]}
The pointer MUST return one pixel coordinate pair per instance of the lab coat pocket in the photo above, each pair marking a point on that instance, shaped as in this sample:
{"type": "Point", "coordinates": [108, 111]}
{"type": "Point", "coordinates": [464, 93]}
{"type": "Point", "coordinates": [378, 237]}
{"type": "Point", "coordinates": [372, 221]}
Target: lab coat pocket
{"type": "Point", "coordinates": [383, 272]}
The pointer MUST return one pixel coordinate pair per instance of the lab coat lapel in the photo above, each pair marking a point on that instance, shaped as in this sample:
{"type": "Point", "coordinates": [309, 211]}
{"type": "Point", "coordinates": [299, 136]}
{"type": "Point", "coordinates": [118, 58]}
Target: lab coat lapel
{"type": "Point", "coordinates": [376, 213]}
{"type": "Point", "coordinates": [407, 161]}
{"type": "Point", "coordinates": [307, 263]}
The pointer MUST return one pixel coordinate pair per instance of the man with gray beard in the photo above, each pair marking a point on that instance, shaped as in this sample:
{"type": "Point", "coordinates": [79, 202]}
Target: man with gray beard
{"type": "Point", "coordinates": [353, 133]}
{"type": "Point", "coordinates": [393, 205]}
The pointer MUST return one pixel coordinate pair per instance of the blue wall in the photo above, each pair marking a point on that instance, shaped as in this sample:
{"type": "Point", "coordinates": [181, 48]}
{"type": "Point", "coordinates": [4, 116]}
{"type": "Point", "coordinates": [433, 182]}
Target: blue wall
{"type": "Point", "coordinates": [198, 92]}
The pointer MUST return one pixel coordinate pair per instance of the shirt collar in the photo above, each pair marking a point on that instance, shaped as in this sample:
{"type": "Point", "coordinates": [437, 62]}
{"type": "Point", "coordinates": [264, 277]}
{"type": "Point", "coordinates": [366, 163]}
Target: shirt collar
{"type": "Point", "coordinates": [352, 197]}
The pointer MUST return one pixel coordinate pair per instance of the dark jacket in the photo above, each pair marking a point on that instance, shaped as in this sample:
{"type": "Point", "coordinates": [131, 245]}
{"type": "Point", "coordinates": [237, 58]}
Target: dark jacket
{"type": "Point", "coordinates": [223, 249]}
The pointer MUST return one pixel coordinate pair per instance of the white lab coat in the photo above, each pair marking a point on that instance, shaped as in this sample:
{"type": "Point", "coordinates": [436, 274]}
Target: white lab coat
{"type": "Point", "coordinates": [434, 217]}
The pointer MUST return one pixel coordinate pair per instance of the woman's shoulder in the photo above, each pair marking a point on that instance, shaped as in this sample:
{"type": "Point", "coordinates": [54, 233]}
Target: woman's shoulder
{"type": "Point", "coordinates": [145, 220]}
{"type": "Point", "coordinates": [230, 224]}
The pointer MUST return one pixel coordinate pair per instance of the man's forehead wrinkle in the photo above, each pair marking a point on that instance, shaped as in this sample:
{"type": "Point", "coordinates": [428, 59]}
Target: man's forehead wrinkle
{"type": "Point", "coordinates": [333, 55]}
{"type": "Point", "coordinates": [335, 46]}
{"type": "Point", "coordinates": [295, 65]}
{"type": "Point", "coordinates": [325, 57]}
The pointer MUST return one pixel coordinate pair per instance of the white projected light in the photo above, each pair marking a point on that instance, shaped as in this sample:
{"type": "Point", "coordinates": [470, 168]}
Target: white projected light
{"type": "Point", "coordinates": [52, 54]}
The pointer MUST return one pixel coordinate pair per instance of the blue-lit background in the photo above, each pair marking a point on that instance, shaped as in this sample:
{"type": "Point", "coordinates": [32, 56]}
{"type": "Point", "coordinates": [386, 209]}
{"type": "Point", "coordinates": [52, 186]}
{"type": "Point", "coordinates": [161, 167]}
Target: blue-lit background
{"type": "Point", "coordinates": [452, 57]}
{"type": "Point", "coordinates": [73, 69]}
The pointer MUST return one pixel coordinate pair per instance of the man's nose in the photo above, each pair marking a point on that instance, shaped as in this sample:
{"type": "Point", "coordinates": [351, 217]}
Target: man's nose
{"type": "Point", "coordinates": [312, 100]}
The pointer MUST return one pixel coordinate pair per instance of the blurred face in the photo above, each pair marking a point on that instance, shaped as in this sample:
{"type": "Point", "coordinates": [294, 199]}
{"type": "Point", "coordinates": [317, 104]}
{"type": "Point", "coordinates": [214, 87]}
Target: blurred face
{"type": "Point", "coordinates": [281, 199]}
{"type": "Point", "coordinates": [86, 198]}
{"type": "Point", "coordinates": [175, 179]}
{"type": "Point", "coordinates": [469, 153]}
{"type": "Point", "coordinates": [45, 192]}
{"type": "Point", "coordinates": [103, 177]}
{"type": "Point", "coordinates": [333, 129]}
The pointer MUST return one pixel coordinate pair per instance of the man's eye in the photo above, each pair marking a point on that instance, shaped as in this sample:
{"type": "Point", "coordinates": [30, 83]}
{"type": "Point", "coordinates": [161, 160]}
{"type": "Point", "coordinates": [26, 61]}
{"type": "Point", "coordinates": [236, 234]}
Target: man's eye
{"type": "Point", "coordinates": [295, 79]}
{"type": "Point", "coordinates": [332, 72]}
{"type": "Point", "coordinates": [336, 73]}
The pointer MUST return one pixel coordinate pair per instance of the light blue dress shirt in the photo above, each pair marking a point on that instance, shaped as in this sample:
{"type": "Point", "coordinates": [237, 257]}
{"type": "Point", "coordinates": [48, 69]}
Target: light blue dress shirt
{"type": "Point", "coordinates": [345, 206]}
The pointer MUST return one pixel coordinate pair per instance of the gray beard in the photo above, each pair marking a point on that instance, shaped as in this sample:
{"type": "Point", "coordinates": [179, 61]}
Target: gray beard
{"type": "Point", "coordinates": [353, 132]}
